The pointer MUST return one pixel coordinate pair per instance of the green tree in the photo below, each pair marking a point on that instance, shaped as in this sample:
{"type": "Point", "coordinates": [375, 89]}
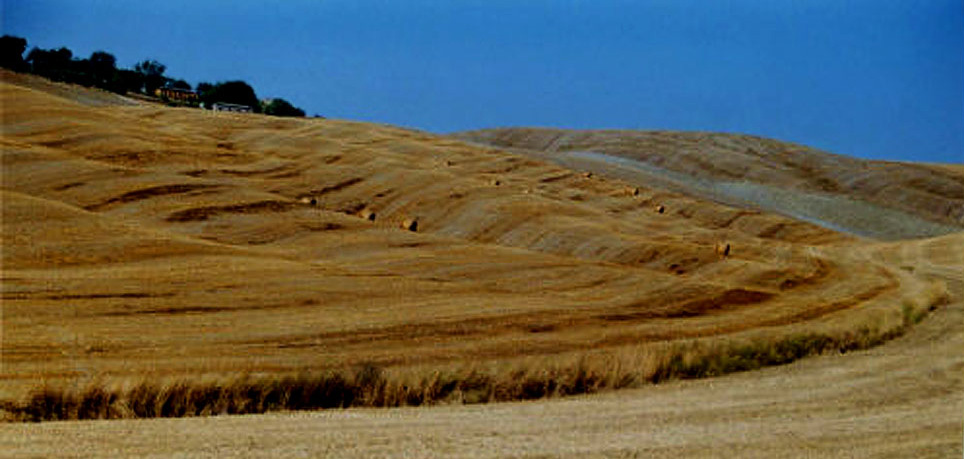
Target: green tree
{"type": "Point", "coordinates": [54, 64]}
{"type": "Point", "coordinates": [129, 81]}
{"type": "Point", "coordinates": [103, 69]}
{"type": "Point", "coordinates": [153, 74]}
{"type": "Point", "coordinates": [232, 92]}
{"type": "Point", "coordinates": [281, 107]}
{"type": "Point", "coordinates": [179, 84]}
{"type": "Point", "coordinates": [11, 53]}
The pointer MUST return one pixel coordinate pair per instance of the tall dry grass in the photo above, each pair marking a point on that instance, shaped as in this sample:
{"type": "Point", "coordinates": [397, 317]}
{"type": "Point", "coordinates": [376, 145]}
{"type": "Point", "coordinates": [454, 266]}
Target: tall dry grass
{"type": "Point", "coordinates": [372, 386]}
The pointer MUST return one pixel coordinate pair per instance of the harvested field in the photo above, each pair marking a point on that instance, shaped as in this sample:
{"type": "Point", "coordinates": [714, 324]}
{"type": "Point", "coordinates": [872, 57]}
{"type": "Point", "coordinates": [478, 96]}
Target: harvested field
{"type": "Point", "coordinates": [175, 247]}
{"type": "Point", "coordinates": [879, 199]}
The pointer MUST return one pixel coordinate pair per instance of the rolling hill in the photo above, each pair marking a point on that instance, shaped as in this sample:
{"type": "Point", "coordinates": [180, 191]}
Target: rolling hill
{"type": "Point", "coordinates": [142, 242]}
{"type": "Point", "coordinates": [877, 199]}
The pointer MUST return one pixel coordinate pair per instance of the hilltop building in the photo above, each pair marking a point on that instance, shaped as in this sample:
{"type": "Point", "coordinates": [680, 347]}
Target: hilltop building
{"type": "Point", "coordinates": [178, 95]}
{"type": "Point", "coordinates": [226, 107]}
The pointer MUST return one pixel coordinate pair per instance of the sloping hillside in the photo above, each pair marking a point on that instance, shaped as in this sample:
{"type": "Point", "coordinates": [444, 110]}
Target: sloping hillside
{"type": "Point", "coordinates": [146, 242]}
{"type": "Point", "coordinates": [877, 199]}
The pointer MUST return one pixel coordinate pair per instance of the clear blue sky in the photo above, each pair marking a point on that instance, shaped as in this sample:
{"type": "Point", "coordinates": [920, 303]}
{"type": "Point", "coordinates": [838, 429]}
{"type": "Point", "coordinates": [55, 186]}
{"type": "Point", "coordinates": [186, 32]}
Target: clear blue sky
{"type": "Point", "coordinates": [871, 78]}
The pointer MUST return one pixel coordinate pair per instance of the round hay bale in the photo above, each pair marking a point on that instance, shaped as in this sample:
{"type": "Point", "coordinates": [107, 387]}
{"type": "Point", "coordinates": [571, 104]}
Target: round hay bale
{"type": "Point", "coordinates": [723, 249]}
{"type": "Point", "coordinates": [660, 209]}
{"type": "Point", "coordinates": [410, 224]}
{"type": "Point", "coordinates": [367, 214]}
{"type": "Point", "coordinates": [496, 182]}
{"type": "Point", "coordinates": [587, 174]}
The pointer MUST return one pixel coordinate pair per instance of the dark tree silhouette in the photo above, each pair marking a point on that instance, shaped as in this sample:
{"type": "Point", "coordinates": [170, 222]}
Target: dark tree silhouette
{"type": "Point", "coordinates": [179, 84]}
{"type": "Point", "coordinates": [281, 107]}
{"type": "Point", "coordinates": [11, 53]}
{"type": "Point", "coordinates": [232, 92]}
{"type": "Point", "coordinates": [204, 89]}
{"type": "Point", "coordinates": [146, 77]}
{"type": "Point", "coordinates": [54, 64]}
{"type": "Point", "coordinates": [153, 74]}
{"type": "Point", "coordinates": [130, 81]}
{"type": "Point", "coordinates": [103, 69]}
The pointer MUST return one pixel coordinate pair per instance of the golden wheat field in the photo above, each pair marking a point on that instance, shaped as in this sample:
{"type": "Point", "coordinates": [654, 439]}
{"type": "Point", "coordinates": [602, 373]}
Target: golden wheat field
{"type": "Point", "coordinates": [165, 261]}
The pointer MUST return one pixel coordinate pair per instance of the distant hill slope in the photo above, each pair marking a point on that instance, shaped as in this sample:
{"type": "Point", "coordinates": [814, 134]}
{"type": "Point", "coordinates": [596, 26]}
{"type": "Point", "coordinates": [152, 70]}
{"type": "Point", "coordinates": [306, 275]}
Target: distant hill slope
{"type": "Point", "coordinates": [90, 97]}
{"type": "Point", "coordinates": [887, 200]}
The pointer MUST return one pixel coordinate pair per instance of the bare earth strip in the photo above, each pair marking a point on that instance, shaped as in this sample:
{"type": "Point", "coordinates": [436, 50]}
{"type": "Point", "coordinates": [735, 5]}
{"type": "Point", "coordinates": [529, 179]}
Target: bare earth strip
{"type": "Point", "coordinates": [839, 213]}
{"type": "Point", "coordinates": [741, 169]}
{"type": "Point", "coordinates": [902, 399]}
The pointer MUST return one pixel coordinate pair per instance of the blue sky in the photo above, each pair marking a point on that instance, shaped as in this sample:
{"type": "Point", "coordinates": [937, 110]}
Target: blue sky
{"type": "Point", "coordinates": [879, 79]}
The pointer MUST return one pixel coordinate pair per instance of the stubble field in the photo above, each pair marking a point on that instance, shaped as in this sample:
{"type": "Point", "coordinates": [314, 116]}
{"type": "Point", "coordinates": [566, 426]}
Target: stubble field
{"type": "Point", "coordinates": [191, 250]}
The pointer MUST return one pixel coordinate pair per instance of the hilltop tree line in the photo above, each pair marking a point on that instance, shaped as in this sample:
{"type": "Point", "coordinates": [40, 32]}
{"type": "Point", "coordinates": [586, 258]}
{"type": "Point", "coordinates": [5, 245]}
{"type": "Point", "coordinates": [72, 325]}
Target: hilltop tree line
{"type": "Point", "coordinates": [100, 71]}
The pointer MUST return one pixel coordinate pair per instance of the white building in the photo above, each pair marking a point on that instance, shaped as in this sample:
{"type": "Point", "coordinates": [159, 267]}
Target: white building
{"type": "Point", "coordinates": [226, 107]}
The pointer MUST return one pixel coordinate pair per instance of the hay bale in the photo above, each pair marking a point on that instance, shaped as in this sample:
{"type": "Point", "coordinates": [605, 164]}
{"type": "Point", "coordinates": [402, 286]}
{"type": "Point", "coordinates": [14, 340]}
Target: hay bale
{"type": "Point", "coordinates": [660, 209]}
{"type": "Point", "coordinates": [723, 249]}
{"type": "Point", "coordinates": [410, 224]}
{"type": "Point", "coordinates": [634, 191]}
{"type": "Point", "coordinates": [309, 200]}
{"type": "Point", "coordinates": [367, 214]}
{"type": "Point", "coordinates": [587, 174]}
{"type": "Point", "coordinates": [496, 182]}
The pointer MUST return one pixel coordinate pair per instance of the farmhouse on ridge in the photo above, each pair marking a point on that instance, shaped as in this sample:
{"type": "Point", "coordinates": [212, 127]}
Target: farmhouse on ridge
{"type": "Point", "coordinates": [180, 95]}
{"type": "Point", "coordinates": [226, 107]}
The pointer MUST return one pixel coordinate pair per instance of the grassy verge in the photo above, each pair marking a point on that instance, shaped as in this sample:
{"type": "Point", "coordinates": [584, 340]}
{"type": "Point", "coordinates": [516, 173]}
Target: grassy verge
{"type": "Point", "coordinates": [371, 386]}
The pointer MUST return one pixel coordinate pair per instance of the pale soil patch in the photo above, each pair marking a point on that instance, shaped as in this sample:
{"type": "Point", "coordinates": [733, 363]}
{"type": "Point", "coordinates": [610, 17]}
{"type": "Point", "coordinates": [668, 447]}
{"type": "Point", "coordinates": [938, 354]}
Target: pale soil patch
{"type": "Point", "coordinates": [708, 164]}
